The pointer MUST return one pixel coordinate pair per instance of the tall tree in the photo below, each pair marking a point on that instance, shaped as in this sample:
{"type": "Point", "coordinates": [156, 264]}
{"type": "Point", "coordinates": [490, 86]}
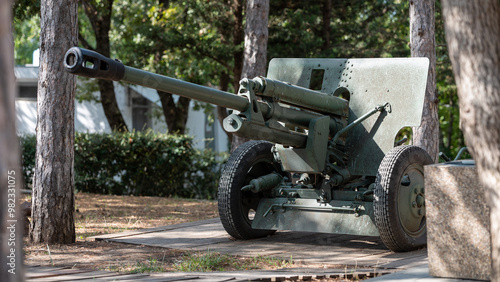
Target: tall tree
{"type": "Point", "coordinates": [186, 40]}
{"type": "Point", "coordinates": [473, 37]}
{"type": "Point", "coordinates": [99, 14]}
{"type": "Point", "coordinates": [11, 261]}
{"type": "Point", "coordinates": [423, 44]}
{"type": "Point", "coordinates": [237, 35]}
{"type": "Point", "coordinates": [175, 113]}
{"type": "Point", "coordinates": [255, 54]}
{"type": "Point", "coordinates": [53, 185]}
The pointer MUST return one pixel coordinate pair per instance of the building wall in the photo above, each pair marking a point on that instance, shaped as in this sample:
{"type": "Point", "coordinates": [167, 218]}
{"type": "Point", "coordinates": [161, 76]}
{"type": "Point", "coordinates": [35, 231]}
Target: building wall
{"type": "Point", "coordinates": [89, 115]}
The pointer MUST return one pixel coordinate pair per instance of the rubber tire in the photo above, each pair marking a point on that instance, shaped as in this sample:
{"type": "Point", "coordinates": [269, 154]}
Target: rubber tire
{"type": "Point", "coordinates": [387, 190]}
{"type": "Point", "coordinates": [250, 160]}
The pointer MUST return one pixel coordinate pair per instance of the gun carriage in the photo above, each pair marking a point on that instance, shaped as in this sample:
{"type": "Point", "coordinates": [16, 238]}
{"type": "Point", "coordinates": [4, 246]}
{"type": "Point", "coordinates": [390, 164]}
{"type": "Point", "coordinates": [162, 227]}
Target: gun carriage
{"type": "Point", "coordinates": [324, 156]}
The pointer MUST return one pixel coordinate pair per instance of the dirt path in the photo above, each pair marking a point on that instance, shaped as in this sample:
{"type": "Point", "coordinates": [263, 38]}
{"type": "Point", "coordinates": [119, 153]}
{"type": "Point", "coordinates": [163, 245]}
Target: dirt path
{"type": "Point", "coordinates": [104, 214]}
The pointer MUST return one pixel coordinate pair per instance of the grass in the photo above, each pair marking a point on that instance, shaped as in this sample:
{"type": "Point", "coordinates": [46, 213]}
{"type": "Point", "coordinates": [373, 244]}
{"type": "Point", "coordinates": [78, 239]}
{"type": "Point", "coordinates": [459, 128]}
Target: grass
{"type": "Point", "coordinates": [148, 266]}
{"type": "Point", "coordinates": [213, 261]}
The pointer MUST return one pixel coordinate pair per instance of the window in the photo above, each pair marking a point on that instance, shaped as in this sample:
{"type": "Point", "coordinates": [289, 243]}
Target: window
{"type": "Point", "coordinates": [28, 92]}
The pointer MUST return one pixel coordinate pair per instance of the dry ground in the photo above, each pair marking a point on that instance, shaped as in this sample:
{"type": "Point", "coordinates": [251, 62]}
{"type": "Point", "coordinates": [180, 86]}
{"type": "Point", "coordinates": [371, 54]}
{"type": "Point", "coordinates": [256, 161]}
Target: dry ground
{"type": "Point", "coordinates": [102, 214]}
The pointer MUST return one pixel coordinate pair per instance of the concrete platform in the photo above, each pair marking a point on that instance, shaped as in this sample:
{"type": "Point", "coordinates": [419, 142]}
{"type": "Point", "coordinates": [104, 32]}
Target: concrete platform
{"type": "Point", "coordinates": [323, 256]}
{"type": "Point", "coordinates": [314, 249]}
{"type": "Point", "coordinates": [418, 273]}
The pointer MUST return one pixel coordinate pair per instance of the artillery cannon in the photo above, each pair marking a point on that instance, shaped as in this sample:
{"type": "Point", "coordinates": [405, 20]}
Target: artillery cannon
{"type": "Point", "coordinates": [326, 160]}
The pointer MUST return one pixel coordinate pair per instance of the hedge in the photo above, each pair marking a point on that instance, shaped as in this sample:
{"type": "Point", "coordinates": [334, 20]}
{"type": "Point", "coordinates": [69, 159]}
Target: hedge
{"type": "Point", "coordinates": [137, 163]}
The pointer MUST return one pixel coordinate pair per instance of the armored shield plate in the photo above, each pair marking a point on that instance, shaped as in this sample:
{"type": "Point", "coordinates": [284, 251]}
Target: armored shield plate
{"type": "Point", "coordinates": [366, 83]}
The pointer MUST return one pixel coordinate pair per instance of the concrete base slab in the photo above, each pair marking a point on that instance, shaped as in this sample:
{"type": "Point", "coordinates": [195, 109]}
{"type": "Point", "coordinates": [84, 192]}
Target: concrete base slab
{"type": "Point", "coordinates": [303, 247]}
{"type": "Point", "coordinates": [418, 273]}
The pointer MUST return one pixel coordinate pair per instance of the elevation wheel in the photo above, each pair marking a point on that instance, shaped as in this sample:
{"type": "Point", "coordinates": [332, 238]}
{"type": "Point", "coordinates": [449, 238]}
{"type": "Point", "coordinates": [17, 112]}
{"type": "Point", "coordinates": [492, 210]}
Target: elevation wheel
{"type": "Point", "coordinates": [399, 200]}
{"type": "Point", "coordinates": [237, 208]}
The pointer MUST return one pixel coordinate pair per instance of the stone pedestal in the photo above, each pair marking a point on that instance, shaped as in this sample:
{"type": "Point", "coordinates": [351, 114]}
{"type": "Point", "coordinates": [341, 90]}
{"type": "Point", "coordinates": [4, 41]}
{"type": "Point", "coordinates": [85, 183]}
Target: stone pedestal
{"type": "Point", "coordinates": [458, 222]}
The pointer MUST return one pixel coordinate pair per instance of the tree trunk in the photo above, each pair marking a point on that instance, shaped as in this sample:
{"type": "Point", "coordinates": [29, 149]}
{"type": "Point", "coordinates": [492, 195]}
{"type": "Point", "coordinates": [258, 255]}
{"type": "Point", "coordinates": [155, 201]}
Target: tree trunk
{"type": "Point", "coordinates": [53, 185]}
{"type": "Point", "coordinates": [100, 19]}
{"type": "Point", "coordinates": [222, 111]}
{"type": "Point", "coordinates": [423, 44]}
{"type": "Point", "coordinates": [11, 250]}
{"type": "Point", "coordinates": [237, 34]}
{"type": "Point", "coordinates": [473, 37]}
{"type": "Point", "coordinates": [256, 35]}
{"type": "Point", "coordinates": [176, 114]}
{"type": "Point", "coordinates": [238, 38]}
{"type": "Point", "coordinates": [327, 18]}
{"type": "Point", "coordinates": [255, 54]}
{"type": "Point", "coordinates": [110, 106]}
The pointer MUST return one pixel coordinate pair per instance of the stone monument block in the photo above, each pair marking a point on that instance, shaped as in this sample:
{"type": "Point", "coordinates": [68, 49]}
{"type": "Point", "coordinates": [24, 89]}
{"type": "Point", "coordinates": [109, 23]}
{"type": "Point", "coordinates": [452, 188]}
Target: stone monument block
{"type": "Point", "coordinates": [458, 222]}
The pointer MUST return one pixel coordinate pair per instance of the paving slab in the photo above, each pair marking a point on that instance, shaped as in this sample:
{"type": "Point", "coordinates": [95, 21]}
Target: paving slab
{"type": "Point", "coordinates": [303, 247]}
{"type": "Point", "coordinates": [418, 273]}
{"type": "Point", "coordinates": [294, 274]}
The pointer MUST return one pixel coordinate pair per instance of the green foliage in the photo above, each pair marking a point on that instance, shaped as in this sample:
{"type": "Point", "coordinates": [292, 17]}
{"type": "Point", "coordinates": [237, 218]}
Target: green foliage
{"type": "Point", "coordinates": [26, 9]}
{"type": "Point", "coordinates": [204, 172]}
{"type": "Point", "coordinates": [193, 40]}
{"type": "Point", "coordinates": [28, 147]}
{"type": "Point", "coordinates": [358, 28]}
{"type": "Point", "coordinates": [135, 163]}
{"type": "Point", "coordinates": [178, 40]}
{"type": "Point", "coordinates": [86, 89]}
{"type": "Point", "coordinates": [451, 138]}
{"type": "Point", "coordinates": [26, 39]}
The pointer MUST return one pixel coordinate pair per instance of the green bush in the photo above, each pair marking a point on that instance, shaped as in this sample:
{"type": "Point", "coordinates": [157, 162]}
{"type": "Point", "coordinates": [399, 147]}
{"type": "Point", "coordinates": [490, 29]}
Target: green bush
{"type": "Point", "coordinates": [28, 147]}
{"type": "Point", "coordinates": [137, 163]}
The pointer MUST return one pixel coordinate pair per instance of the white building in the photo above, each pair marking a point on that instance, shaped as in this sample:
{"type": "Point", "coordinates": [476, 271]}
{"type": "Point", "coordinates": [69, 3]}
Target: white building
{"type": "Point", "coordinates": [135, 103]}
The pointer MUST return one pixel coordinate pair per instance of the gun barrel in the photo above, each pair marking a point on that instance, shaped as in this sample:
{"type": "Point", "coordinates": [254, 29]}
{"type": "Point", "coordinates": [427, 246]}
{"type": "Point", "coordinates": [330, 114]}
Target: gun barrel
{"type": "Point", "coordinates": [83, 62]}
{"type": "Point", "coordinates": [91, 64]}
{"type": "Point", "coordinates": [186, 89]}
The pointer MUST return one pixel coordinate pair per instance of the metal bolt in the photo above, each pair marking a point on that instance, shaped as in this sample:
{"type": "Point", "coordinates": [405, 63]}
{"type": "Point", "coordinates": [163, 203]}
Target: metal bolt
{"type": "Point", "coordinates": [415, 191]}
{"type": "Point", "coordinates": [422, 190]}
{"type": "Point", "coordinates": [420, 212]}
{"type": "Point", "coordinates": [420, 200]}
{"type": "Point", "coordinates": [414, 204]}
{"type": "Point", "coordinates": [231, 121]}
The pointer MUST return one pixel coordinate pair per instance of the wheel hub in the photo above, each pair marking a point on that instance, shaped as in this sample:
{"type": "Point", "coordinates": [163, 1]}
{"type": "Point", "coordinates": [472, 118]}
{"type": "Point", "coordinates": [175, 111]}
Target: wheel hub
{"type": "Point", "coordinates": [417, 200]}
{"type": "Point", "coordinates": [411, 202]}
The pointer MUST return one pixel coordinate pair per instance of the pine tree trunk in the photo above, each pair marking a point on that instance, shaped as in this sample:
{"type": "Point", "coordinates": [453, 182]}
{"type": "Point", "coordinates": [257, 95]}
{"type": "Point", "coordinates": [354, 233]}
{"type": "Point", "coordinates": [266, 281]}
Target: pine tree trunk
{"type": "Point", "coordinates": [238, 38]}
{"type": "Point", "coordinates": [423, 44]}
{"type": "Point", "coordinates": [100, 19]}
{"type": "Point", "coordinates": [53, 184]}
{"type": "Point", "coordinates": [473, 37]}
{"type": "Point", "coordinates": [11, 235]}
{"type": "Point", "coordinates": [255, 54]}
{"type": "Point", "coordinates": [176, 114]}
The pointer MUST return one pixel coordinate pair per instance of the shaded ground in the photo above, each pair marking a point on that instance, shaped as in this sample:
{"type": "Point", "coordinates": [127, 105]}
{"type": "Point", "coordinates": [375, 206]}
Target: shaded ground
{"type": "Point", "coordinates": [104, 214]}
